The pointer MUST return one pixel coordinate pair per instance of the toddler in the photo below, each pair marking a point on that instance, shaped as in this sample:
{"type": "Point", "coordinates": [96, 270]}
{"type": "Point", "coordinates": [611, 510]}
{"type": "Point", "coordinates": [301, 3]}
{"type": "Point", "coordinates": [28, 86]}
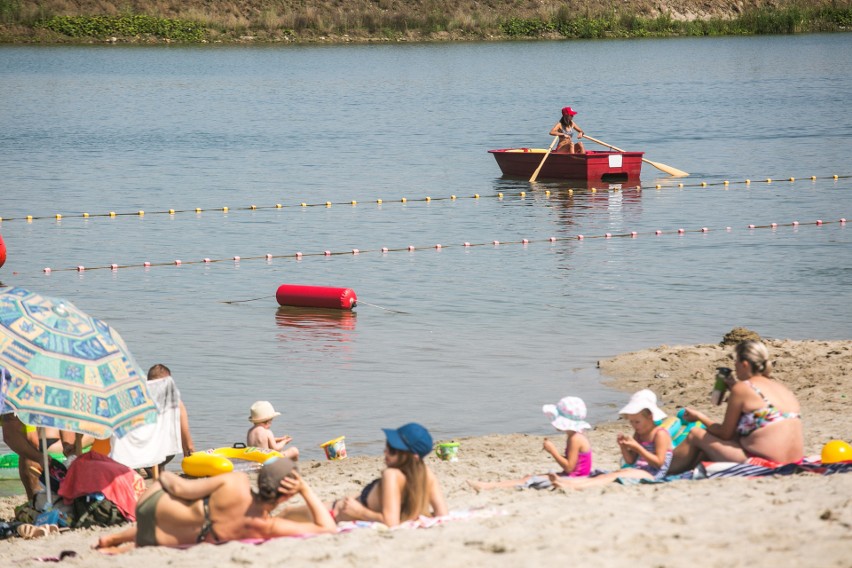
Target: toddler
{"type": "Point", "coordinates": [568, 415]}
{"type": "Point", "coordinates": [260, 434]}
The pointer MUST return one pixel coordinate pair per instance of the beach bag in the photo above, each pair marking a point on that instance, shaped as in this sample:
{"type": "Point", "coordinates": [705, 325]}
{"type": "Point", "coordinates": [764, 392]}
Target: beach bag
{"type": "Point", "coordinates": [95, 510]}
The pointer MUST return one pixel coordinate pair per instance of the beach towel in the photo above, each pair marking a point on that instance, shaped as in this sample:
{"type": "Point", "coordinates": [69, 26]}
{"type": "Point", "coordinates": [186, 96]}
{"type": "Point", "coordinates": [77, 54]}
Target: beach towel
{"type": "Point", "coordinates": [757, 467]}
{"type": "Point", "coordinates": [96, 473]}
{"type": "Point", "coordinates": [151, 444]}
{"type": "Point", "coordinates": [422, 522]}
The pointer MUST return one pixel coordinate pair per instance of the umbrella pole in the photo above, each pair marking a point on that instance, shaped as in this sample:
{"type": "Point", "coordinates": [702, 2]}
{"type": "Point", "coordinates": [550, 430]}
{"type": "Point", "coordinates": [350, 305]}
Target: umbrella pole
{"type": "Point", "coordinates": [43, 437]}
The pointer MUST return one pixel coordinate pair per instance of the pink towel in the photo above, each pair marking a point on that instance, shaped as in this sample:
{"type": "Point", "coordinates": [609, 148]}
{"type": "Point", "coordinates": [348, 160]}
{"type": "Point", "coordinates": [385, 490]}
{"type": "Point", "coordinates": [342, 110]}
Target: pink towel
{"type": "Point", "coordinates": [97, 473]}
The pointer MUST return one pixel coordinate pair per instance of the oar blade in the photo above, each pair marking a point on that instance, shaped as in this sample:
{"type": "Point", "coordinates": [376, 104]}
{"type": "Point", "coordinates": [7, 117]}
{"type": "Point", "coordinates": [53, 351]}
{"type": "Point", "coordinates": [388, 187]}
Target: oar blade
{"type": "Point", "coordinates": [668, 169]}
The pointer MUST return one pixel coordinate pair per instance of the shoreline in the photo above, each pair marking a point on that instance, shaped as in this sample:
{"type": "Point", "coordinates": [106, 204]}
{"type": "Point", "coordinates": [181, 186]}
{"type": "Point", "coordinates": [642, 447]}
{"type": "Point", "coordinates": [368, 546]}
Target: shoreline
{"type": "Point", "coordinates": [791, 519]}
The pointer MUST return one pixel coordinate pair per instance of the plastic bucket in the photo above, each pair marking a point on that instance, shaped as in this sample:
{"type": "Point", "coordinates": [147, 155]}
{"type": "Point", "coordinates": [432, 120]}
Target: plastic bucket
{"type": "Point", "coordinates": [335, 449]}
{"type": "Point", "coordinates": [448, 451]}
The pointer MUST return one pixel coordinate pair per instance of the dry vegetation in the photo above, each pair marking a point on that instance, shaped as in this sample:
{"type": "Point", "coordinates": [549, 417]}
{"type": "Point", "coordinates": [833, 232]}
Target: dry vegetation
{"type": "Point", "coordinates": [360, 20]}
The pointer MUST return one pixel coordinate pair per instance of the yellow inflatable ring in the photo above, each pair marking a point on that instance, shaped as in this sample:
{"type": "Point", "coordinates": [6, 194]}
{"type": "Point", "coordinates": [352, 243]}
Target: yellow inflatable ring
{"type": "Point", "coordinates": [220, 460]}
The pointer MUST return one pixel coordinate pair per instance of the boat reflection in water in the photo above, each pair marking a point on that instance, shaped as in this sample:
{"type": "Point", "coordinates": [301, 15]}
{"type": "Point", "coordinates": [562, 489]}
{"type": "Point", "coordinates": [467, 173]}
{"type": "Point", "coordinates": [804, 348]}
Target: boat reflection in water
{"type": "Point", "coordinates": [315, 329]}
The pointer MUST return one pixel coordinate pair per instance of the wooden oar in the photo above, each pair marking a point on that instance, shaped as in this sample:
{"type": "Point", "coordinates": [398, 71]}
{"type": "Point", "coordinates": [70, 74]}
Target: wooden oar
{"type": "Point", "coordinates": [662, 167]}
{"type": "Point", "coordinates": [546, 154]}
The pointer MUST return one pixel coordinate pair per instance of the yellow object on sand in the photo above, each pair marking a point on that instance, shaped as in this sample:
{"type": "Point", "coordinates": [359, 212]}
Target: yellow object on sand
{"type": "Point", "coordinates": [836, 451]}
{"type": "Point", "coordinates": [220, 460]}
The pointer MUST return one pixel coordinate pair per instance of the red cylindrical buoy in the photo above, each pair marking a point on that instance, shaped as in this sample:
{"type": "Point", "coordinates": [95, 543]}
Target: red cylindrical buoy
{"type": "Point", "coordinates": [316, 297]}
{"type": "Point", "coordinates": [2, 252]}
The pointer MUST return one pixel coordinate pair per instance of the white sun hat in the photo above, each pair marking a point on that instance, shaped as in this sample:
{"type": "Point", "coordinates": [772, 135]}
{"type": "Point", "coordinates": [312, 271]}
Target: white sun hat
{"type": "Point", "coordinates": [642, 400]}
{"type": "Point", "coordinates": [567, 414]}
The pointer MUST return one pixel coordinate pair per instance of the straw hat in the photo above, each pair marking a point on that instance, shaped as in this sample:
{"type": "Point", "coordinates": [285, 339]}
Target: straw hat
{"type": "Point", "coordinates": [261, 411]}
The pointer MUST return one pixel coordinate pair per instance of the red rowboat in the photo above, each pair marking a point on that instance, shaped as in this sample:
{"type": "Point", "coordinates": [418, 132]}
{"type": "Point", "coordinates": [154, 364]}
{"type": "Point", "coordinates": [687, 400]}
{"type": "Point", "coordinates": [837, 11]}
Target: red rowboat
{"type": "Point", "coordinates": [591, 166]}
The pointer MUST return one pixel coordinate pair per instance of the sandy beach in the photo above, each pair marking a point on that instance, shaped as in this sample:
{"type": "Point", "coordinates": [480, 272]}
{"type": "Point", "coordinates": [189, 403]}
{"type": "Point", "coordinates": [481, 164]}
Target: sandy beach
{"type": "Point", "coordinates": [800, 519]}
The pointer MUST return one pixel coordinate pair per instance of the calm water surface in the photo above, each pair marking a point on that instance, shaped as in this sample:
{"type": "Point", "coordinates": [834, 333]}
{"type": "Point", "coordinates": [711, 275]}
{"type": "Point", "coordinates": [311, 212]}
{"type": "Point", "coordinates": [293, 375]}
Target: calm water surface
{"type": "Point", "coordinates": [466, 340]}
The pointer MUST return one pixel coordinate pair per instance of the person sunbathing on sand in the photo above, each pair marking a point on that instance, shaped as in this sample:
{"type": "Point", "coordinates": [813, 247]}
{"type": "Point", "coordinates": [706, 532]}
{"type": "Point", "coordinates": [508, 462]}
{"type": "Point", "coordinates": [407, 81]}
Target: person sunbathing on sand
{"type": "Point", "coordinates": [177, 512]}
{"type": "Point", "coordinates": [762, 418]}
{"type": "Point", "coordinates": [648, 453]}
{"type": "Point", "coordinates": [406, 490]}
{"type": "Point", "coordinates": [568, 415]}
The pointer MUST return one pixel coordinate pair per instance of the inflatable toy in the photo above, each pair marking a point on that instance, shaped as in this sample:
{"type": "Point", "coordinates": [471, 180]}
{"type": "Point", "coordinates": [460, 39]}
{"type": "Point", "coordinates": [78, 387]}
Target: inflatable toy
{"type": "Point", "coordinates": [222, 460]}
{"type": "Point", "coordinates": [9, 464]}
{"type": "Point", "coordinates": [2, 252]}
{"type": "Point", "coordinates": [836, 451]}
{"type": "Point", "coordinates": [678, 428]}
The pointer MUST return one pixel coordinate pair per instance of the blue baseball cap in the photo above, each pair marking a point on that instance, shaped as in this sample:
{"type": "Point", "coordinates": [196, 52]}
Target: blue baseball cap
{"type": "Point", "coordinates": [412, 438]}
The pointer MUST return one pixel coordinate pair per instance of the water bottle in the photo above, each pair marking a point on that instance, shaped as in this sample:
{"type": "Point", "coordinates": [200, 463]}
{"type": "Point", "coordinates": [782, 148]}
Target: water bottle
{"type": "Point", "coordinates": [719, 388]}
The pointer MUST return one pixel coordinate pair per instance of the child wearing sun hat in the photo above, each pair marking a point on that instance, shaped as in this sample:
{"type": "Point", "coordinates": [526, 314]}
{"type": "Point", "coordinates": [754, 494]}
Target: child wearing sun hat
{"type": "Point", "coordinates": [569, 416]}
{"type": "Point", "coordinates": [260, 434]}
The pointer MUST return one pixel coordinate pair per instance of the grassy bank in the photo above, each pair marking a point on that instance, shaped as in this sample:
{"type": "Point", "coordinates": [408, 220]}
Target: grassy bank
{"type": "Point", "coordinates": [298, 21]}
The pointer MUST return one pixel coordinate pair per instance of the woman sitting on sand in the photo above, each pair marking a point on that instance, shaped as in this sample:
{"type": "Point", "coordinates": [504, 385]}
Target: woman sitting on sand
{"type": "Point", "coordinates": [177, 512]}
{"type": "Point", "coordinates": [761, 420]}
{"type": "Point", "coordinates": [407, 487]}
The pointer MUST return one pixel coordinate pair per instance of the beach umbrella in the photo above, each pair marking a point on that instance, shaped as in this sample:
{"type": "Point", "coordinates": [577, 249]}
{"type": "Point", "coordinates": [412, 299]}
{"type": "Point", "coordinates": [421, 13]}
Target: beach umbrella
{"type": "Point", "coordinates": [68, 370]}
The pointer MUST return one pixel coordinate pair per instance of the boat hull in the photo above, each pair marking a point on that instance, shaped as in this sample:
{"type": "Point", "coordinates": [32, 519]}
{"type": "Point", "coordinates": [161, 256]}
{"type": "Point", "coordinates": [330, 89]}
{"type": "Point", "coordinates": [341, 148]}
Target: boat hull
{"type": "Point", "coordinates": [591, 166]}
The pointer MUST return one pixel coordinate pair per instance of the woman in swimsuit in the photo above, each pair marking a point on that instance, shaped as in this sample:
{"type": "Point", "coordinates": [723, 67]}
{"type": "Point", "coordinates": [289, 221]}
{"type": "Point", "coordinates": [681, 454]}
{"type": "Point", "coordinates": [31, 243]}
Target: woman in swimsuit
{"type": "Point", "coordinates": [647, 454]}
{"type": "Point", "coordinates": [761, 420]}
{"type": "Point", "coordinates": [564, 129]}
{"type": "Point", "coordinates": [175, 511]}
{"type": "Point", "coordinates": [407, 487]}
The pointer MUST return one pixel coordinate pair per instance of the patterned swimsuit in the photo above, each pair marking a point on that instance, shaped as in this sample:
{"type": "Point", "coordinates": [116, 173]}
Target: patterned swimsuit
{"type": "Point", "coordinates": [757, 419]}
{"type": "Point", "coordinates": [641, 463]}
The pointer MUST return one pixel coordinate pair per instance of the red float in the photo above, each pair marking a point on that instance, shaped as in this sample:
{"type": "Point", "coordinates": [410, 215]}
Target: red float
{"type": "Point", "coordinates": [316, 297]}
{"type": "Point", "coordinates": [2, 252]}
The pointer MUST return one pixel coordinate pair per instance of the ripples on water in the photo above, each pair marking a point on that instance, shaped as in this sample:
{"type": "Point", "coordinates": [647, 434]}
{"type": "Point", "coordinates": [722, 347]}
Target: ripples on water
{"type": "Point", "coordinates": [467, 340]}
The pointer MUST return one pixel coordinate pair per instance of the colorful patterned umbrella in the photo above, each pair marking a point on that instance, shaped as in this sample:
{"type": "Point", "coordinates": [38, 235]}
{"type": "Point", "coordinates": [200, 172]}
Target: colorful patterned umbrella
{"type": "Point", "coordinates": [69, 370]}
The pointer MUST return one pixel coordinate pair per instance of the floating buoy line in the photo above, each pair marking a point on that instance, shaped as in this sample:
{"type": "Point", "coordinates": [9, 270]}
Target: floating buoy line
{"type": "Point", "coordinates": [411, 248]}
{"type": "Point", "coordinates": [427, 199]}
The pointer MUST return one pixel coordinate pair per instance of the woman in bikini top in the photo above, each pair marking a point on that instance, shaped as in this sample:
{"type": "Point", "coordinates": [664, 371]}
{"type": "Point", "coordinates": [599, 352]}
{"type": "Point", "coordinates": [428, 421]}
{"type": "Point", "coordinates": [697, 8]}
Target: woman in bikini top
{"type": "Point", "coordinates": [179, 512]}
{"type": "Point", "coordinates": [771, 431]}
{"type": "Point", "coordinates": [564, 129]}
{"type": "Point", "coordinates": [757, 419]}
{"type": "Point", "coordinates": [407, 487]}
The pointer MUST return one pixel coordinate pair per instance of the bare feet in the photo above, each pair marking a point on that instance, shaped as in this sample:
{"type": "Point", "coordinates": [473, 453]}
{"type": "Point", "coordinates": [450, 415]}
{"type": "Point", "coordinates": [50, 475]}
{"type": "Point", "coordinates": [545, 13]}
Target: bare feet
{"type": "Point", "coordinates": [556, 481]}
{"type": "Point", "coordinates": [476, 485]}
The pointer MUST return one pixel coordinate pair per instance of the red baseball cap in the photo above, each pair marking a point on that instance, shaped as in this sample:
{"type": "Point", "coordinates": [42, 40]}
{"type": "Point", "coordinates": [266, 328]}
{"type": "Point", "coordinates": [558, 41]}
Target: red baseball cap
{"type": "Point", "coordinates": [568, 111]}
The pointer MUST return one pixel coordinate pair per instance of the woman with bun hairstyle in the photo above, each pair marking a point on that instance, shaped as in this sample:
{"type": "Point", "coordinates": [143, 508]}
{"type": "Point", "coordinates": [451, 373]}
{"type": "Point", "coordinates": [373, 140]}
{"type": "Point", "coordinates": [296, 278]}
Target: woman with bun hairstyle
{"type": "Point", "coordinates": [762, 418]}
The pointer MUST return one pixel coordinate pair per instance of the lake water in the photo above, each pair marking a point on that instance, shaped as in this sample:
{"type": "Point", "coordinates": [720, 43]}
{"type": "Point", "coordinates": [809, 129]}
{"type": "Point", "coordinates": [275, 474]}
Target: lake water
{"type": "Point", "coordinates": [467, 340]}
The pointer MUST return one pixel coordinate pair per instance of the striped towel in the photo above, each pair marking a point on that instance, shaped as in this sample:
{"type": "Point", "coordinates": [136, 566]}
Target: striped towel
{"type": "Point", "coordinates": [757, 467]}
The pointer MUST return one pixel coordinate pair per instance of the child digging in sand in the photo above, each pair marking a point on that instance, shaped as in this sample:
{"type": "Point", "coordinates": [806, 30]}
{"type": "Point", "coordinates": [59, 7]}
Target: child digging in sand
{"type": "Point", "coordinates": [260, 434]}
{"type": "Point", "coordinates": [648, 453]}
{"type": "Point", "coordinates": [568, 415]}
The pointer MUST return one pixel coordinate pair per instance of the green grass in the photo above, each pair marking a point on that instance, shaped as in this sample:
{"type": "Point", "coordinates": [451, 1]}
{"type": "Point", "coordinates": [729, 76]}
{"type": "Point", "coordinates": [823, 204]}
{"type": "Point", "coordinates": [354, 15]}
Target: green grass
{"type": "Point", "coordinates": [755, 22]}
{"type": "Point", "coordinates": [124, 26]}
